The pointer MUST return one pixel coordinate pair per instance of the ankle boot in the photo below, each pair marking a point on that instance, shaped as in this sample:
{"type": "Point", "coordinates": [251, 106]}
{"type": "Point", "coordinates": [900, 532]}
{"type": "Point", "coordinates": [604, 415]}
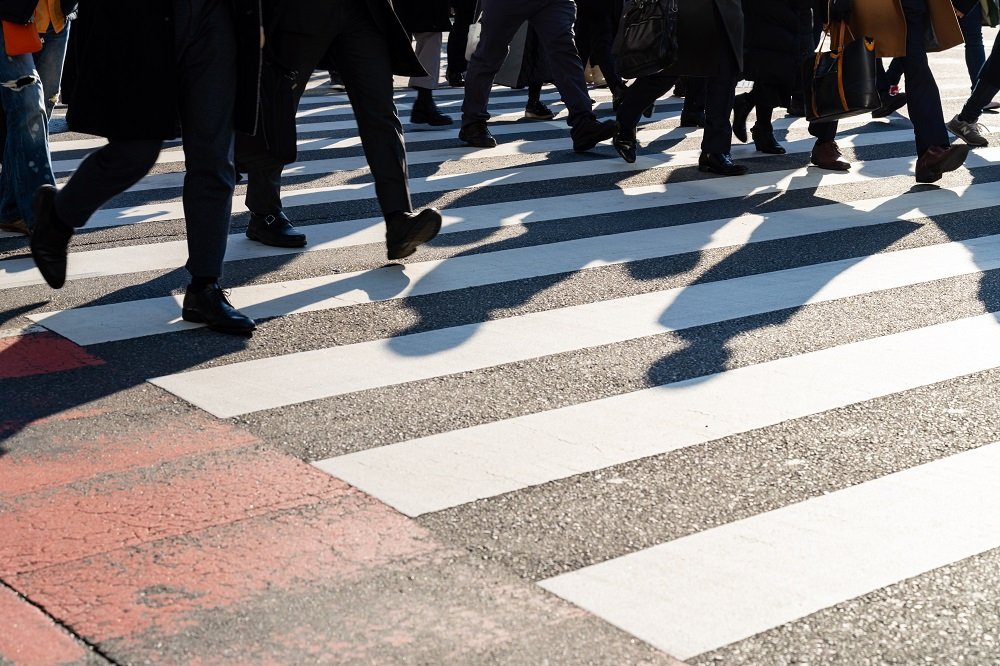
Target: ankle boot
{"type": "Point", "coordinates": [425, 111]}
{"type": "Point", "coordinates": [764, 141]}
{"type": "Point", "coordinates": [741, 111]}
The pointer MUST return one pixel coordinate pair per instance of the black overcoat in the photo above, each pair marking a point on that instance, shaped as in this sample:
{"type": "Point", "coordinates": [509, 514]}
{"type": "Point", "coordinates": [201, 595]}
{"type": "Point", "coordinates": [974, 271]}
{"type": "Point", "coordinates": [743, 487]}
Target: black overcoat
{"type": "Point", "coordinates": [121, 78]}
{"type": "Point", "coordinates": [773, 38]}
{"type": "Point", "coordinates": [424, 15]}
{"type": "Point", "coordinates": [708, 28]}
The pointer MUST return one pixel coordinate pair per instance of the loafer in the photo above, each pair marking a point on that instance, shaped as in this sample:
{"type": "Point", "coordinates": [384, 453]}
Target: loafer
{"type": "Point", "coordinates": [626, 146]}
{"type": "Point", "coordinates": [49, 239]}
{"type": "Point", "coordinates": [406, 231]}
{"type": "Point", "coordinates": [826, 155]}
{"type": "Point", "coordinates": [477, 135]}
{"type": "Point", "coordinates": [591, 132]}
{"type": "Point", "coordinates": [721, 164]}
{"type": "Point", "coordinates": [211, 306]}
{"type": "Point", "coordinates": [937, 160]}
{"type": "Point", "coordinates": [274, 230]}
{"type": "Point", "coordinates": [890, 104]}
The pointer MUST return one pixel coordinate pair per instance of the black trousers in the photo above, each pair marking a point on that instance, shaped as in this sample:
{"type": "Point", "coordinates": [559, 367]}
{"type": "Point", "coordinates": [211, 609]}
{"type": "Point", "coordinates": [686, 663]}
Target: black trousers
{"type": "Point", "coordinates": [362, 55]}
{"type": "Point", "coordinates": [205, 45]}
{"type": "Point", "coordinates": [922, 96]}
{"type": "Point", "coordinates": [719, 94]}
{"type": "Point", "coordinates": [596, 23]}
{"type": "Point", "coordinates": [458, 39]}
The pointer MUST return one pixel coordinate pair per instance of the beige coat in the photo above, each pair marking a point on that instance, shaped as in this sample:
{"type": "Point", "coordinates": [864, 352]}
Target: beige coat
{"type": "Point", "coordinates": [883, 20]}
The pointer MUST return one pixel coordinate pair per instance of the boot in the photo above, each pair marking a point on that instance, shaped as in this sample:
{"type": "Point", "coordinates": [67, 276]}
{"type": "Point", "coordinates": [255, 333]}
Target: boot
{"type": "Point", "coordinates": [425, 111]}
{"type": "Point", "coordinates": [741, 111]}
{"type": "Point", "coordinates": [764, 141]}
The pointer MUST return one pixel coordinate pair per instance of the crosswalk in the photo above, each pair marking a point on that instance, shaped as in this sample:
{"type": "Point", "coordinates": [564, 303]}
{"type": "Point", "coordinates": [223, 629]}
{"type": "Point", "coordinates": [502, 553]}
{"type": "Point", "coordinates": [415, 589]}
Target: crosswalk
{"type": "Point", "coordinates": [616, 335]}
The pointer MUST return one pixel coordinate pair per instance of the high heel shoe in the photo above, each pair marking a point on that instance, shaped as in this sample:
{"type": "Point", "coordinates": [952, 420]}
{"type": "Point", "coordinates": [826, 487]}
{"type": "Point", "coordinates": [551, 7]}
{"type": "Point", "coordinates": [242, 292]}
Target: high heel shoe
{"type": "Point", "coordinates": [764, 141]}
{"type": "Point", "coordinates": [742, 105]}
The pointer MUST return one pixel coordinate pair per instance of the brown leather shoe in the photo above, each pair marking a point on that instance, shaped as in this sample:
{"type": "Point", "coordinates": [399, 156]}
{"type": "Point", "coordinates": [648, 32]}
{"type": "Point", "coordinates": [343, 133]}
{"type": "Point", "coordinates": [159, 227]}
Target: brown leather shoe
{"type": "Point", "coordinates": [826, 155]}
{"type": "Point", "coordinates": [938, 159]}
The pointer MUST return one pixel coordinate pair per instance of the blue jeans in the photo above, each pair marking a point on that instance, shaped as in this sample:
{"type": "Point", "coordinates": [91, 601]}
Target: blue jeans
{"type": "Point", "coordinates": [972, 31]}
{"type": "Point", "coordinates": [29, 85]}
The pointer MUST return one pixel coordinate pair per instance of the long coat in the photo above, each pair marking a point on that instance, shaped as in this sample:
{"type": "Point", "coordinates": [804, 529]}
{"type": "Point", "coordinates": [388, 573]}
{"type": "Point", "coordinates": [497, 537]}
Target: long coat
{"type": "Point", "coordinates": [708, 28]}
{"type": "Point", "coordinates": [309, 17]}
{"type": "Point", "coordinates": [121, 78]}
{"type": "Point", "coordinates": [424, 15]}
{"type": "Point", "coordinates": [884, 21]}
{"type": "Point", "coordinates": [774, 32]}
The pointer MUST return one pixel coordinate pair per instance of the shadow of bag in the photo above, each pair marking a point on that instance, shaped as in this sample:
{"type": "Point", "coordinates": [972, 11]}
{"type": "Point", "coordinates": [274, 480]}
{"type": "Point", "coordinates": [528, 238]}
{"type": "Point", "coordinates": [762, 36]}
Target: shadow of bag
{"type": "Point", "coordinates": [840, 83]}
{"type": "Point", "coordinates": [274, 143]}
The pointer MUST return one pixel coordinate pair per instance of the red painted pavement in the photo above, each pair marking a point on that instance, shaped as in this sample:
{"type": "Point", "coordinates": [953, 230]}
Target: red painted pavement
{"type": "Point", "coordinates": [41, 353]}
{"type": "Point", "coordinates": [29, 638]}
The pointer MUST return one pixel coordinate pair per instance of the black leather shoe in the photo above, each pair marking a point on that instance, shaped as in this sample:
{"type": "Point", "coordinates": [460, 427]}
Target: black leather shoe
{"type": "Point", "coordinates": [477, 135]}
{"type": "Point", "coordinates": [890, 103]}
{"type": "Point", "coordinates": [625, 145]}
{"type": "Point", "coordinates": [935, 161]}
{"type": "Point", "coordinates": [49, 239]}
{"type": "Point", "coordinates": [405, 232]}
{"type": "Point", "coordinates": [764, 141]}
{"type": "Point", "coordinates": [741, 111]}
{"type": "Point", "coordinates": [428, 114]}
{"type": "Point", "coordinates": [591, 132]}
{"type": "Point", "coordinates": [211, 307]}
{"type": "Point", "coordinates": [720, 163]}
{"type": "Point", "coordinates": [274, 230]}
{"type": "Point", "coordinates": [456, 80]}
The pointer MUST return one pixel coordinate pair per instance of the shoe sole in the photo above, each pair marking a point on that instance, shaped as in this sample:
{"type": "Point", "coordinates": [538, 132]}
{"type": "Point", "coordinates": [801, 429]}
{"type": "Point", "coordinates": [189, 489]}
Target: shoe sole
{"type": "Point", "coordinates": [433, 123]}
{"type": "Point", "coordinates": [955, 160]}
{"type": "Point", "coordinates": [707, 169]}
{"type": "Point", "coordinates": [282, 243]}
{"type": "Point", "coordinates": [196, 317]}
{"type": "Point", "coordinates": [984, 143]}
{"type": "Point", "coordinates": [417, 236]}
{"type": "Point", "coordinates": [535, 116]}
{"type": "Point", "coordinates": [596, 139]}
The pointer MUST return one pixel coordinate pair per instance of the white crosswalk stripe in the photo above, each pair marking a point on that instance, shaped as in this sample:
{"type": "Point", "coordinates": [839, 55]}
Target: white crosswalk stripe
{"type": "Point", "coordinates": [548, 260]}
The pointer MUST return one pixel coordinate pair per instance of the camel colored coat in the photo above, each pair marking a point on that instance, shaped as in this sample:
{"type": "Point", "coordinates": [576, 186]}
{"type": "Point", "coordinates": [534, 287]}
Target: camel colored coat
{"type": "Point", "coordinates": [883, 20]}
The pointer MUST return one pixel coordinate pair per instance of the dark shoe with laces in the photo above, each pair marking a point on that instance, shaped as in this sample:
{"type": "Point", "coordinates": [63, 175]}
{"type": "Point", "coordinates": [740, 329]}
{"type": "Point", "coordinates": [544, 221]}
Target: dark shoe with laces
{"type": "Point", "coordinates": [406, 231]}
{"type": "Point", "coordinates": [625, 145]}
{"type": "Point", "coordinates": [210, 306]}
{"type": "Point", "coordinates": [764, 141]}
{"type": "Point", "coordinates": [741, 111]}
{"type": "Point", "coordinates": [49, 238]}
{"type": "Point", "coordinates": [591, 132]}
{"type": "Point", "coordinates": [274, 230]}
{"type": "Point", "coordinates": [826, 155]}
{"type": "Point", "coordinates": [721, 164]}
{"type": "Point", "coordinates": [937, 160]}
{"type": "Point", "coordinates": [477, 135]}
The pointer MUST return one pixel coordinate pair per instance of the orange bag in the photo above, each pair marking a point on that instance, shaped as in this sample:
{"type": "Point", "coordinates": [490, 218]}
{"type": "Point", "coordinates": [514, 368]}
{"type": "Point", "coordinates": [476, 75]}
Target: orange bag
{"type": "Point", "coordinates": [20, 39]}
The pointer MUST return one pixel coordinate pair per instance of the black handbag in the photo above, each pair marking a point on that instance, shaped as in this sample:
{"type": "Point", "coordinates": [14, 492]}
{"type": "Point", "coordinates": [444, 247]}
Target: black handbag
{"type": "Point", "coordinates": [840, 83]}
{"type": "Point", "coordinates": [275, 143]}
{"type": "Point", "coordinates": [646, 41]}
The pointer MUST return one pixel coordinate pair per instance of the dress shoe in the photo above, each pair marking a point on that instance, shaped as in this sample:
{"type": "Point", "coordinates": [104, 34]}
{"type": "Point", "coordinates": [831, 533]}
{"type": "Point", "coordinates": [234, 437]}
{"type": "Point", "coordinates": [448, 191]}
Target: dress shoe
{"type": "Point", "coordinates": [456, 80]}
{"type": "Point", "coordinates": [764, 141]}
{"type": "Point", "coordinates": [742, 105]}
{"type": "Point", "coordinates": [826, 155]}
{"type": "Point", "coordinates": [936, 160]}
{"type": "Point", "coordinates": [50, 238]}
{"type": "Point", "coordinates": [477, 135]}
{"type": "Point", "coordinates": [890, 103]}
{"type": "Point", "coordinates": [406, 231]}
{"type": "Point", "coordinates": [17, 226]}
{"type": "Point", "coordinates": [535, 110]}
{"type": "Point", "coordinates": [591, 132]}
{"type": "Point", "coordinates": [720, 163]}
{"type": "Point", "coordinates": [692, 118]}
{"type": "Point", "coordinates": [625, 145]}
{"type": "Point", "coordinates": [426, 112]}
{"type": "Point", "coordinates": [274, 230]}
{"type": "Point", "coordinates": [210, 306]}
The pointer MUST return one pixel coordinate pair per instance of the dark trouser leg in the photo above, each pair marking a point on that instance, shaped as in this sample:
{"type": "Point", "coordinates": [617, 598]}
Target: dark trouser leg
{"type": "Point", "coordinates": [923, 98]}
{"type": "Point", "coordinates": [553, 21]}
{"type": "Point", "coordinates": [458, 39]}
{"type": "Point", "coordinates": [765, 98]}
{"type": "Point", "coordinates": [105, 173]}
{"type": "Point", "coordinates": [644, 91]}
{"type": "Point", "coordinates": [824, 131]}
{"type": "Point", "coordinates": [599, 19]}
{"type": "Point", "coordinates": [206, 65]}
{"type": "Point", "coordinates": [502, 21]}
{"type": "Point", "coordinates": [363, 57]}
{"type": "Point", "coordinates": [972, 31]}
{"type": "Point", "coordinates": [720, 91]}
{"type": "Point", "coordinates": [986, 88]}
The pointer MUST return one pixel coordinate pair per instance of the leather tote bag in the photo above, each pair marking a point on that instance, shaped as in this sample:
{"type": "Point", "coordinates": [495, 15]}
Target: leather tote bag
{"type": "Point", "coordinates": [274, 144]}
{"type": "Point", "coordinates": [840, 83]}
{"type": "Point", "coordinates": [646, 41]}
